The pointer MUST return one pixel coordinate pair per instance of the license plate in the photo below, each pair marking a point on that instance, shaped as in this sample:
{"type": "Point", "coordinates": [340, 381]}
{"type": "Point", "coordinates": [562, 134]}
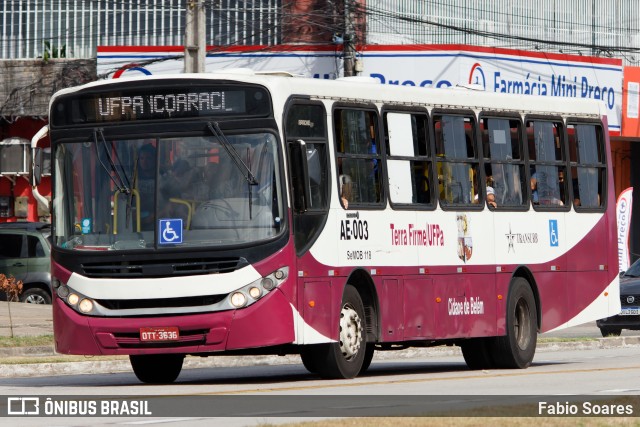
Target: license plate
{"type": "Point", "coordinates": [630, 311]}
{"type": "Point", "coordinates": [169, 333]}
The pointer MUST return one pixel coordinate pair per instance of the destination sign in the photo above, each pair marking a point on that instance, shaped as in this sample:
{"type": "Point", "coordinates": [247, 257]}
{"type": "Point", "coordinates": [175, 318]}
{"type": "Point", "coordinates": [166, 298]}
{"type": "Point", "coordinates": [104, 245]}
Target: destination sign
{"type": "Point", "coordinates": [163, 103]}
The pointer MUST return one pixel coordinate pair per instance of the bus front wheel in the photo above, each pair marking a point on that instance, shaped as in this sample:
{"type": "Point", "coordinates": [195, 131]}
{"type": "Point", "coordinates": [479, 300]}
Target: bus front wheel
{"type": "Point", "coordinates": [345, 358]}
{"type": "Point", "coordinates": [157, 368]}
{"type": "Point", "coordinates": [517, 348]}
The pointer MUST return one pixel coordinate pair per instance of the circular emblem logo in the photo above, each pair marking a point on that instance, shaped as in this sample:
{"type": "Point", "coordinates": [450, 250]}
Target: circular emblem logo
{"type": "Point", "coordinates": [476, 76]}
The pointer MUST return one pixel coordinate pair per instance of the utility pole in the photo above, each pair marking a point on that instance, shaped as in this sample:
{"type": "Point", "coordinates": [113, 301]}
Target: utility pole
{"type": "Point", "coordinates": [348, 48]}
{"type": "Point", "coordinates": [195, 46]}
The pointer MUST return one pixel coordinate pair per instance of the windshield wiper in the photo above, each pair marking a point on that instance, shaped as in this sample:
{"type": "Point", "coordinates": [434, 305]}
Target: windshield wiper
{"type": "Point", "coordinates": [121, 185]}
{"type": "Point", "coordinates": [246, 172]}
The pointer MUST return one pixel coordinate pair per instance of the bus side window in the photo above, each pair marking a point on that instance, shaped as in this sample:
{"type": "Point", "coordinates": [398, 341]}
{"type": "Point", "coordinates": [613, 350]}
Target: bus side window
{"type": "Point", "coordinates": [457, 162]}
{"type": "Point", "coordinates": [358, 156]}
{"type": "Point", "coordinates": [504, 164]}
{"type": "Point", "coordinates": [588, 165]}
{"type": "Point", "coordinates": [409, 160]}
{"type": "Point", "coordinates": [547, 163]}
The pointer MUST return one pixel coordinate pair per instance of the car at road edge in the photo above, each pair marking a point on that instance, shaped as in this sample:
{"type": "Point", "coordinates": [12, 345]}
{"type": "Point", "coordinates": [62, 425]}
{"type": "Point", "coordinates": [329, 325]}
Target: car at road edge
{"type": "Point", "coordinates": [629, 317]}
{"type": "Point", "coordinates": [25, 249]}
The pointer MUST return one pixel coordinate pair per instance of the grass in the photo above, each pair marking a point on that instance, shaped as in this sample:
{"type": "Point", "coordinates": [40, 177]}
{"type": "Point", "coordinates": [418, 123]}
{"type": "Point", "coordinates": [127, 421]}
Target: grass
{"type": "Point", "coordinates": [26, 341]}
{"type": "Point", "coordinates": [58, 358]}
{"type": "Point", "coordinates": [560, 339]}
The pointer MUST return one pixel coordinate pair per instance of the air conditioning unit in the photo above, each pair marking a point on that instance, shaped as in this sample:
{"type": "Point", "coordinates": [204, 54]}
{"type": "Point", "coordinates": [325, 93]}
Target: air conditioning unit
{"type": "Point", "coordinates": [15, 156]}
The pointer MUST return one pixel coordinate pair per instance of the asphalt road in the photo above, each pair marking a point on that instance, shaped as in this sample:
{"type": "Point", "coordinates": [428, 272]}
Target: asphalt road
{"type": "Point", "coordinates": [260, 395]}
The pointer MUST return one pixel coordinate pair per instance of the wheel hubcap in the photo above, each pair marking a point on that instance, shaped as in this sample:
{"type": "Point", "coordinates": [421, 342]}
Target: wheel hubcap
{"type": "Point", "coordinates": [34, 299]}
{"type": "Point", "coordinates": [350, 332]}
{"type": "Point", "coordinates": [522, 324]}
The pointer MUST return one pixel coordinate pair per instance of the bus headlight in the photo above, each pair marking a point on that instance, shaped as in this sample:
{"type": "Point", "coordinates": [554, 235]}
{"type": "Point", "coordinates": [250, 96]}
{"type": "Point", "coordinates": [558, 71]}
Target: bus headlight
{"type": "Point", "coordinates": [73, 299]}
{"type": "Point", "coordinates": [76, 300]}
{"type": "Point", "coordinates": [259, 288]}
{"type": "Point", "coordinates": [85, 306]}
{"type": "Point", "coordinates": [255, 292]}
{"type": "Point", "coordinates": [238, 299]}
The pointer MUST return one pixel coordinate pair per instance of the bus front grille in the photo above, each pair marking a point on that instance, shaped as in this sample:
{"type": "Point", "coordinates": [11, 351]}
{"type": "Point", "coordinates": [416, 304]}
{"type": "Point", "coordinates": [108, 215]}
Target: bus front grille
{"type": "Point", "coordinates": [162, 268]}
{"type": "Point", "coordinates": [136, 304]}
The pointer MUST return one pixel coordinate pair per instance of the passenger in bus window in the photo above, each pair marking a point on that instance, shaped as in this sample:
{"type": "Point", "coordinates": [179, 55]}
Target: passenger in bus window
{"type": "Point", "coordinates": [562, 186]}
{"type": "Point", "coordinates": [346, 185]}
{"type": "Point", "coordinates": [346, 190]}
{"type": "Point", "coordinates": [491, 198]}
{"type": "Point", "coordinates": [534, 188]}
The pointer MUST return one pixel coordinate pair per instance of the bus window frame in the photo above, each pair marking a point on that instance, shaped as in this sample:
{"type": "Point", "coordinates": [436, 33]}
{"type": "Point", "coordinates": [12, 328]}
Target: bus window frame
{"type": "Point", "coordinates": [430, 157]}
{"type": "Point", "coordinates": [602, 166]}
{"type": "Point", "coordinates": [557, 163]}
{"type": "Point", "coordinates": [485, 159]}
{"type": "Point", "coordinates": [381, 154]}
{"type": "Point", "coordinates": [465, 113]}
{"type": "Point", "coordinates": [320, 213]}
{"type": "Point", "coordinates": [299, 100]}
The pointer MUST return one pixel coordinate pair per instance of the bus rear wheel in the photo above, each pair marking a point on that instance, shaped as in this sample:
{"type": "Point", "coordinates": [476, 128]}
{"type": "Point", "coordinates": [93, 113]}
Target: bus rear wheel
{"type": "Point", "coordinates": [368, 357]}
{"type": "Point", "coordinates": [345, 358]}
{"type": "Point", "coordinates": [157, 368]}
{"type": "Point", "coordinates": [517, 348]}
{"type": "Point", "coordinates": [477, 353]}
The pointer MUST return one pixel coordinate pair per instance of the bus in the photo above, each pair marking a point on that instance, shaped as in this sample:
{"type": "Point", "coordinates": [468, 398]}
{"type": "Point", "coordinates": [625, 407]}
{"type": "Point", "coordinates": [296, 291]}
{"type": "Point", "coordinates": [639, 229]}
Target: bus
{"type": "Point", "coordinates": [256, 213]}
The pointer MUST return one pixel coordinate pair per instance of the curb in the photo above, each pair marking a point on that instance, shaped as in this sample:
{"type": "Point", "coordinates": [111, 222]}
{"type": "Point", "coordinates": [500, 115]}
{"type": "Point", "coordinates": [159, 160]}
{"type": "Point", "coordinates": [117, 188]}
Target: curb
{"type": "Point", "coordinates": [113, 366]}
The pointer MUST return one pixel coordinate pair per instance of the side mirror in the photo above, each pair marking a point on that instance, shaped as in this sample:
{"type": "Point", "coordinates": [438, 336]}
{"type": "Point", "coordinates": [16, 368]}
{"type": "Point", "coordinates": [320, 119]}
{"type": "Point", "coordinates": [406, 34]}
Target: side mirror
{"type": "Point", "coordinates": [36, 158]}
{"type": "Point", "coordinates": [299, 176]}
{"type": "Point", "coordinates": [36, 175]}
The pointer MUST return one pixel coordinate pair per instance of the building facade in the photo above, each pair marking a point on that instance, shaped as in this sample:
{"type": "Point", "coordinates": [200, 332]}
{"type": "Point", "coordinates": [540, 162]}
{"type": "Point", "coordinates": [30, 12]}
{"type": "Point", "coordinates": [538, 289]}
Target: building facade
{"type": "Point", "coordinates": [47, 45]}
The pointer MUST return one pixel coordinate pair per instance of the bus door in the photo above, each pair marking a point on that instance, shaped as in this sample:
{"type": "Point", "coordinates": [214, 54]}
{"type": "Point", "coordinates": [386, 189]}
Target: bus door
{"type": "Point", "coordinates": [308, 167]}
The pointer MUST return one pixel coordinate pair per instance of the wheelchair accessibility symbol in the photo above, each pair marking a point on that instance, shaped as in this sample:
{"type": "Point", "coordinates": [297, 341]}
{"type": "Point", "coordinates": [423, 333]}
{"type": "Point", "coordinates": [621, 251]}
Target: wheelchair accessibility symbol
{"type": "Point", "coordinates": [170, 231]}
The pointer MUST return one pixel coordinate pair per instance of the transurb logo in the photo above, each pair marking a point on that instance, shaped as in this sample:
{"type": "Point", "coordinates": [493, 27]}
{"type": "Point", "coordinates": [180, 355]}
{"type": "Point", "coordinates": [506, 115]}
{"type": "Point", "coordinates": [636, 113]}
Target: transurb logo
{"type": "Point", "coordinates": [519, 238]}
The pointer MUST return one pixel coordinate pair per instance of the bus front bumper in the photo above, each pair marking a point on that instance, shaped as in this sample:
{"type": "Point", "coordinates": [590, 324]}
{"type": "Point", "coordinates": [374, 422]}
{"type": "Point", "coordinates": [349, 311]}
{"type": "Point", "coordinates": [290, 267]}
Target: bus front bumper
{"type": "Point", "coordinates": [266, 323]}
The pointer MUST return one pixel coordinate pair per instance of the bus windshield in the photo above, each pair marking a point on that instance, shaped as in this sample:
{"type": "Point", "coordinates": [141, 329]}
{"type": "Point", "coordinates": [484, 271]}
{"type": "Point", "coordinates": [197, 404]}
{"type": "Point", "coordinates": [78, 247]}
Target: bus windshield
{"type": "Point", "coordinates": [157, 193]}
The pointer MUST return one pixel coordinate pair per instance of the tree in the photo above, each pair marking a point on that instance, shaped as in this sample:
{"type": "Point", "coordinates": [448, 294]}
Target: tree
{"type": "Point", "coordinates": [12, 289]}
